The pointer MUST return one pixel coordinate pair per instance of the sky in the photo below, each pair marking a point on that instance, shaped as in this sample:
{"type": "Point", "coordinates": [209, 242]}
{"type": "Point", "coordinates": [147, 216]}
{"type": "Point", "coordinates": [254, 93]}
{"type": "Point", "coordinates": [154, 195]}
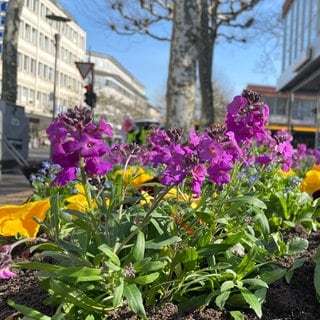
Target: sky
{"type": "Point", "coordinates": [148, 59]}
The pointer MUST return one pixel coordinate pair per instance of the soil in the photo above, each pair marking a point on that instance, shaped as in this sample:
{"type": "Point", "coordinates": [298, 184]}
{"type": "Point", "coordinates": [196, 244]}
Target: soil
{"type": "Point", "coordinates": [294, 301]}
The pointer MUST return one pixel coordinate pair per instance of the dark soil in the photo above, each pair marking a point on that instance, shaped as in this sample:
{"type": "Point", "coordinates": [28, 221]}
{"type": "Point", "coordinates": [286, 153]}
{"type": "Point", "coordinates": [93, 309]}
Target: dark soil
{"type": "Point", "coordinates": [294, 301]}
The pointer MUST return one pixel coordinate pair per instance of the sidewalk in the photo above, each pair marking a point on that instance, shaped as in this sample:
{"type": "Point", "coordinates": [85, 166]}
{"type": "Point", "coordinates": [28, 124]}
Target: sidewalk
{"type": "Point", "coordinates": [14, 186]}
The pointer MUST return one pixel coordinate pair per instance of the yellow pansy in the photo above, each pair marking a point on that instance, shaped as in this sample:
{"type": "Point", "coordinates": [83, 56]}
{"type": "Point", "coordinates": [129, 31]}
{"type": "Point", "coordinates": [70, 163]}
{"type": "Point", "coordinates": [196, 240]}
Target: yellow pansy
{"type": "Point", "coordinates": [79, 201]}
{"type": "Point", "coordinates": [311, 183]}
{"type": "Point", "coordinates": [147, 198]}
{"type": "Point", "coordinates": [177, 194]}
{"type": "Point", "coordinates": [18, 219]}
{"type": "Point", "coordinates": [287, 173]}
{"type": "Point", "coordinates": [134, 176]}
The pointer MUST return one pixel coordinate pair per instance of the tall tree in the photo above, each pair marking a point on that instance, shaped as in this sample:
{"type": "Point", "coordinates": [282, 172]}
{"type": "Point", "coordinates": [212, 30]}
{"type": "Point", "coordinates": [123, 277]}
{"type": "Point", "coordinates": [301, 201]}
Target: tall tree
{"type": "Point", "coordinates": [181, 86]}
{"type": "Point", "coordinates": [219, 19]}
{"type": "Point", "coordinates": [10, 51]}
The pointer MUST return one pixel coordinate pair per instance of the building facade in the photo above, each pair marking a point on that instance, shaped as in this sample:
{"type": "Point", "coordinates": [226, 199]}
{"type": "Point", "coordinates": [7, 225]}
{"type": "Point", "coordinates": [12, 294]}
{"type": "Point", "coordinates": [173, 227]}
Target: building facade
{"type": "Point", "coordinates": [301, 46]}
{"type": "Point", "coordinates": [119, 94]}
{"type": "Point", "coordinates": [300, 74]}
{"type": "Point", "coordinates": [294, 112]}
{"type": "Point", "coordinates": [40, 55]}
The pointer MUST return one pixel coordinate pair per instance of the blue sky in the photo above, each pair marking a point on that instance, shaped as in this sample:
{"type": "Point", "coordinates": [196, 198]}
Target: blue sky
{"type": "Point", "coordinates": [147, 59]}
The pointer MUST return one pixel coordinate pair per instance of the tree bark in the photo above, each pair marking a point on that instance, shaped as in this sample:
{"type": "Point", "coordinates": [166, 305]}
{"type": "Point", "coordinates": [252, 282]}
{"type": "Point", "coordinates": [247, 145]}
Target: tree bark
{"type": "Point", "coordinates": [205, 65]}
{"type": "Point", "coordinates": [10, 51]}
{"type": "Point", "coordinates": [181, 85]}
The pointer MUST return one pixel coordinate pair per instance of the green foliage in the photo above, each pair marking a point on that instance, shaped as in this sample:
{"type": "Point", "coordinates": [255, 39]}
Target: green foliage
{"type": "Point", "coordinates": [128, 246]}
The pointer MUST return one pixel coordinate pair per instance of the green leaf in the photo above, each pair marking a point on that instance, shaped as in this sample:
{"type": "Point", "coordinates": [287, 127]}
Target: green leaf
{"type": "Point", "coordinates": [237, 315]}
{"type": "Point", "coordinates": [189, 258]}
{"type": "Point", "coordinates": [252, 301]}
{"type": "Point", "coordinates": [274, 275]}
{"type": "Point", "coordinates": [146, 265]}
{"type": "Point", "coordinates": [138, 250]}
{"type": "Point", "coordinates": [297, 264]}
{"type": "Point", "coordinates": [226, 286]}
{"type": "Point", "coordinates": [255, 283]}
{"type": "Point", "coordinates": [70, 247]}
{"type": "Point", "coordinates": [149, 278]}
{"type": "Point", "coordinates": [262, 223]}
{"type": "Point", "coordinates": [109, 253]}
{"type": "Point", "coordinates": [30, 313]}
{"type": "Point", "coordinates": [81, 274]}
{"type": "Point", "coordinates": [134, 297]}
{"type": "Point", "coordinates": [159, 243]}
{"type": "Point", "coordinates": [40, 266]}
{"type": "Point", "coordinates": [222, 298]}
{"type": "Point", "coordinates": [316, 257]}
{"type": "Point", "coordinates": [298, 245]}
{"type": "Point", "coordinates": [45, 246]}
{"type": "Point", "coordinates": [283, 203]}
{"type": "Point", "coordinates": [316, 279]}
{"type": "Point", "coordinates": [118, 293]}
{"type": "Point", "coordinates": [76, 297]}
{"type": "Point", "coordinates": [252, 201]}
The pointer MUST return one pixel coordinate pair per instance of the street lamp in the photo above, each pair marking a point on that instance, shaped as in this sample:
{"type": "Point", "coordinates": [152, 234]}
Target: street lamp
{"type": "Point", "coordinates": [57, 37]}
{"type": "Point", "coordinates": [59, 20]}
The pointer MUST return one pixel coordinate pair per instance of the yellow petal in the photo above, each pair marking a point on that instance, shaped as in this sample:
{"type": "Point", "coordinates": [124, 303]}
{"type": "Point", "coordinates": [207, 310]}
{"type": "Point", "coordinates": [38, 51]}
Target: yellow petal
{"type": "Point", "coordinates": [311, 183]}
{"type": "Point", "coordinates": [18, 219]}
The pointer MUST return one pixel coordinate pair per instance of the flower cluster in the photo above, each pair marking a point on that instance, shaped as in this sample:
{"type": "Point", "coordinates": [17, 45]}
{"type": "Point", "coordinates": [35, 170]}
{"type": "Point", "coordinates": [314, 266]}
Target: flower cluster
{"type": "Point", "coordinates": [210, 153]}
{"type": "Point", "coordinates": [246, 117]}
{"type": "Point", "coordinates": [74, 138]}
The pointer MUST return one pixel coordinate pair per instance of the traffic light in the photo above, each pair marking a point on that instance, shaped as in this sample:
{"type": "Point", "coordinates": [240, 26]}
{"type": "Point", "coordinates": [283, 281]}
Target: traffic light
{"type": "Point", "coordinates": [90, 96]}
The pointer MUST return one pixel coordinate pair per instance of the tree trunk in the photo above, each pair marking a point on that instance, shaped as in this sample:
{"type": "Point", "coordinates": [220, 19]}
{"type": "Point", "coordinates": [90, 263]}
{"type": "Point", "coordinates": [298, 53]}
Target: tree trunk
{"type": "Point", "coordinates": [207, 36]}
{"type": "Point", "coordinates": [10, 51]}
{"type": "Point", "coordinates": [181, 86]}
{"type": "Point", "coordinates": [205, 70]}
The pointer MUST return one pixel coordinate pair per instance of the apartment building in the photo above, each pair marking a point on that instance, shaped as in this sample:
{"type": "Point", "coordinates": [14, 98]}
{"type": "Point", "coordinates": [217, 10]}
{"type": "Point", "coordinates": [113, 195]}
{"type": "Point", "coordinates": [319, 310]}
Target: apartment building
{"type": "Point", "coordinates": [37, 50]}
{"type": "Point", "coordinates": [119, 93]}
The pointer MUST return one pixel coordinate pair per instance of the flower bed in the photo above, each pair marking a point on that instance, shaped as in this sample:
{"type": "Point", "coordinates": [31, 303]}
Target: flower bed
{"type": "Point", "coordinates": [199, 222]}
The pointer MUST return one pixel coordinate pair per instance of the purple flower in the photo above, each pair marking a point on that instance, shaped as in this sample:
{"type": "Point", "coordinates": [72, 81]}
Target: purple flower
{"type": "Point", "coordinates": [64, 176]}
{"type": "Point", "coordinates": [246, 117]}
{"type": "Point", "coordinates": [5, 273]}
{"type": "Point", "coordinates": [198, 173]}
{"type": "Point", "coordinates": [75, 138]}
{"type": "Point", "coordinates": [5, 262]}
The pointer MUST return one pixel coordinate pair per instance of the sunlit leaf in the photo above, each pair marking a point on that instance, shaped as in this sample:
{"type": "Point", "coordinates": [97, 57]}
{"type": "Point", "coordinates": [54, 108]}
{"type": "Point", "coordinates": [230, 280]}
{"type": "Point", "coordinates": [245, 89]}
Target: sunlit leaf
{"type": "Point", "coordinates": [134, 297]}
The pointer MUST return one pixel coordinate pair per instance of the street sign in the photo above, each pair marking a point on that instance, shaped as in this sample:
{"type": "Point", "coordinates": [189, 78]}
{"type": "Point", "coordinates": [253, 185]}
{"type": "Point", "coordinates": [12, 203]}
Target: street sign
{"type": "Point", "coordinates": [84, 68]}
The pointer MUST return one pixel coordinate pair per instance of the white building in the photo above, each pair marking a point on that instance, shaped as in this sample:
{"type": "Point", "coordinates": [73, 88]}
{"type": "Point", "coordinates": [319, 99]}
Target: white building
{"type": "Point", "coordinates": [119, 94]}
{"type": "Point", "coordinates": [36, 60]}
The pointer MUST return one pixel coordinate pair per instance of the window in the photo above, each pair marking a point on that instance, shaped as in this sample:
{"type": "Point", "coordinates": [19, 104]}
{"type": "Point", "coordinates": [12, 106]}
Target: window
{"type": "Point", "coordinates": [26, 60]}
{"type": "Point", "coordinates": [303, 109]}
{"type": "Point", "coordinates": [31, 96]}
{"type": "Point", "coordinates": [51, 73]}
{"type": "Point", "coordinates": [40, 67]}
{"type": "Point", "coordinates": [3, 6]}
{"type": "Point", "coordinates": [35, 6]}
{"type": "Point", "coordinates": [277, 105]}
{"type": "Point", "coordinates": [45, 72]}
{"type": "Point", "coordinates": [27, 32]}
{"type": "Point", "coordinates": [3, 20]}
{"type": "Point", "coordinates": [33, 66]}
{"type": "Point", "coordinates": [24, 96]}
{"type": "Point", "coordinates": [34, 36]}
